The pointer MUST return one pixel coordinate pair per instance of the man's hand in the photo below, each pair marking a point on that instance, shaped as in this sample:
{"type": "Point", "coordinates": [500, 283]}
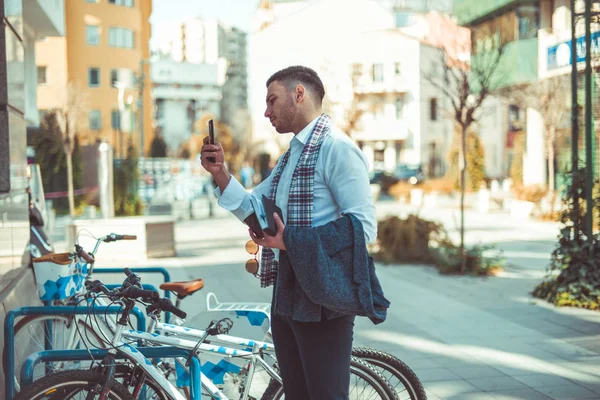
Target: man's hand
{"type": "Point", "coordinates": [212, 150]}
{"type": "Point", "coordinates": [273, 242]}
{"type": "Point", "coordinates": [217, 169]}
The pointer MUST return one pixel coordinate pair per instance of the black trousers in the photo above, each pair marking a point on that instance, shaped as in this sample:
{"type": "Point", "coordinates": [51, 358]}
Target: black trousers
{"type": "Point", "coordinates": [314, 357]}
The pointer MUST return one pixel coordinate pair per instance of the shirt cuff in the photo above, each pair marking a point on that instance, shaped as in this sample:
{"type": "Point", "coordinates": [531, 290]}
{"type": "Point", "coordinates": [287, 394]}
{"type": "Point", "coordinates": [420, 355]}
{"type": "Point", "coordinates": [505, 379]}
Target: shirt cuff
{"type": "Point", "coordinates": [233, 195]}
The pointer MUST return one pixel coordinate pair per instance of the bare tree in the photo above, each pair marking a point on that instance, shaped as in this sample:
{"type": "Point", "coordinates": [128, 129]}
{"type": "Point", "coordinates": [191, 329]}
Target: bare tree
{"type": "Point", "coordinates": [467, 83]}
{"type": "Point", "coordinates": [551, 98]}
{"type": "Point", "coordinates": [74, 108]}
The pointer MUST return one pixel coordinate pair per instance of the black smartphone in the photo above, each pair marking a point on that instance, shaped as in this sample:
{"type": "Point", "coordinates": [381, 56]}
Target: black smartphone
{"type": "Point", "coordinates": [211, 135]}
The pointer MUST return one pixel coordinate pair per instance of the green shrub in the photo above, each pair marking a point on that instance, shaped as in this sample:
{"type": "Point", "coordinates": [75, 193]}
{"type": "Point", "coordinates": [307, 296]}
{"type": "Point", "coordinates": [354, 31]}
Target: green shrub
{"type": "Point", "coordinates": [574, 271]}
{"type": "Point", "coordinates": [416, 240]}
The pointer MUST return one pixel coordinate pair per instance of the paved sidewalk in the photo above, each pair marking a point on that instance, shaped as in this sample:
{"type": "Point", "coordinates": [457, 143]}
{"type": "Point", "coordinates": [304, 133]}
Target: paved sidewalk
{"type": "Point", "coordinates": [465, 337]}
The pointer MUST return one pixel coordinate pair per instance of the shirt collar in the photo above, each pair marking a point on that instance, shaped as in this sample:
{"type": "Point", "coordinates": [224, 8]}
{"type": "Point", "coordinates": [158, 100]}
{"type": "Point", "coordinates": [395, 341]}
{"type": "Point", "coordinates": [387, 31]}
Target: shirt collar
{"type": "Point", "coordinates": [302, 136]}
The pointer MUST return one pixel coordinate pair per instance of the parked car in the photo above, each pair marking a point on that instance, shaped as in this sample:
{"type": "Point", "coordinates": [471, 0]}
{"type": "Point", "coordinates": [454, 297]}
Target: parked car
{"type": "Point", "coordinates": [412, 174]}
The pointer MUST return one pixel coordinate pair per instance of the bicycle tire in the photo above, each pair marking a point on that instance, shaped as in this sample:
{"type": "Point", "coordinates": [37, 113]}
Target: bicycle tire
{"type": "Point", "coordinates": [399, 370]}
{"type": "Point", "coordinates": [63, 385]}
{"type": "Point", "coordinates": [359, 368]}
{"type": "Point", "coordinates": [32, 326]}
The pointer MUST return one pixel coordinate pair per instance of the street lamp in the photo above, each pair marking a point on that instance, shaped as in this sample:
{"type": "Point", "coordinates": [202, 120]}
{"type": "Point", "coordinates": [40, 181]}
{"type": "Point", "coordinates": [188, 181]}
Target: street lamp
{"type": "Point", "coordinates": [121, 106]}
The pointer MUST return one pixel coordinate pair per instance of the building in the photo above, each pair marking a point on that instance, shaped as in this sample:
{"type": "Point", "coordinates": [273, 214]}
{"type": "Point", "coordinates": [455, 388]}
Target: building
{"type": "Point", "coordinates": [182, 92]}
{"type": "Point", "coordinates": [25, 22]}
{"type": "Point", "coordinates": [372, 72]}
{"type": "Point", "coordinates": [518, 22]}
{"type": "Point", "coordinates": [107, 42]}
{"type": "Point", "coordinates": [208, 41]}
{"type": "Point", "coordinates": [555, 60]}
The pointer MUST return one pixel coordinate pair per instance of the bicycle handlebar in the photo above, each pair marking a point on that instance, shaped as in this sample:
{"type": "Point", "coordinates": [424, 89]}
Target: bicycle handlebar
{"type": "Point", "coordinates": [166, 305]}
{"type": "Point", "coordinates": [84, 254]}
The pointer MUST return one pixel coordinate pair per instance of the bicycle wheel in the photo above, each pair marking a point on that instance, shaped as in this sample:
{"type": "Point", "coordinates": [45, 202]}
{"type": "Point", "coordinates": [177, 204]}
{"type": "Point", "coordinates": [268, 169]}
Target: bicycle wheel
{"type": "Point", "coordinates": [401, 377]}
{"type": "Point", "coordinates": [70, 385]}
{"type": "Point", "coordinates": [365, 384]}
{"type": "Point", "coordinates": [31, 336]}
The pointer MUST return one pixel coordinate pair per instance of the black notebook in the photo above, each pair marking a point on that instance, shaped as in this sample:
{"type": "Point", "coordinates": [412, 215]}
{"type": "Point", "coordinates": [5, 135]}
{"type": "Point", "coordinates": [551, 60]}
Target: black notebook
{"type": "Point", "coordinates": [262, 221]}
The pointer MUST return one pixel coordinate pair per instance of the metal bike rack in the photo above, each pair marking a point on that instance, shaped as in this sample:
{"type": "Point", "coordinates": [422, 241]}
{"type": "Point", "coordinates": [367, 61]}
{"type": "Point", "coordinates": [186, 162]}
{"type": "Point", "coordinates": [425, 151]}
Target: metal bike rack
{"type": "Point", "coordinates": [92, 354]}
{"type": "Point", "coordinates": [9, 331]}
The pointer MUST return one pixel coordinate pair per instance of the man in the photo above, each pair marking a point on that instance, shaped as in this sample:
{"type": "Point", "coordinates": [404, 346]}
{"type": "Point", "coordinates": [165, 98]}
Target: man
{"type": "Point", "coordinates": [322, 176]}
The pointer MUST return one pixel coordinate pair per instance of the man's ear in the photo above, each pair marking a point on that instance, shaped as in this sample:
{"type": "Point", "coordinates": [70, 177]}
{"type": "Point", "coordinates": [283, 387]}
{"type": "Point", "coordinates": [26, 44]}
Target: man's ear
{"type": "Point", "coordinates": [299, 93]}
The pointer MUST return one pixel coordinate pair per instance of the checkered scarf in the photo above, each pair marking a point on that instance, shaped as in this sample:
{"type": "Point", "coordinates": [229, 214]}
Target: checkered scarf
{"type": "Point", "coordinates": [300, 202]}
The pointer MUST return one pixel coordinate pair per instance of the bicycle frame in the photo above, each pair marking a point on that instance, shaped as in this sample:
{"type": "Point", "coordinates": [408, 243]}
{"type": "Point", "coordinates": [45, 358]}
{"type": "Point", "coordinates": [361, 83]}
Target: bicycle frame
{"type": "Point", "coordinates": [149, 368]}
{"type": "Point", "coordinates": [174, 341]}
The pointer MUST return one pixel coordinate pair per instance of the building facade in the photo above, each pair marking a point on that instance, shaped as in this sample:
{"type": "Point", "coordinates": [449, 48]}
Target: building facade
{"type": "Point", "coordinates": [104, 57]}
{"type": "Point", "coordinates": [208, 41]}
{"type": "Point", "coordinates": [24, 23]}
{"type": "Point", "coordinates": [374, 77]}
{"type": "Point", "coordinates": [182, 92]}
{"type": "Point", "coordinates": [515, 24]}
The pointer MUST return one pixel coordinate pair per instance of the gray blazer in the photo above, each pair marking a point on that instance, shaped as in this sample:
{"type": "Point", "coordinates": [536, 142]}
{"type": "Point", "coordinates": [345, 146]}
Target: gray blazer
{"type": "Point", "coordinates": [327, 272]}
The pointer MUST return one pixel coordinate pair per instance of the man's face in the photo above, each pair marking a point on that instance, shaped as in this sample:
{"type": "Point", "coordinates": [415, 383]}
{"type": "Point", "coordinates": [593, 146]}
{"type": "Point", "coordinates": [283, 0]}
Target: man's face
{"type": "Point", "coordinates": [281, 109]}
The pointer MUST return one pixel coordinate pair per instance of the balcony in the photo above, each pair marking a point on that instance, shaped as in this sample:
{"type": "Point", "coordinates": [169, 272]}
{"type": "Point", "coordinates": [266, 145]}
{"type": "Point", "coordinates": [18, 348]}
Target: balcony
{"type": "Point", "coordinates": [370, 129]}
{"type": "Point", "coordinates": [46, 17]}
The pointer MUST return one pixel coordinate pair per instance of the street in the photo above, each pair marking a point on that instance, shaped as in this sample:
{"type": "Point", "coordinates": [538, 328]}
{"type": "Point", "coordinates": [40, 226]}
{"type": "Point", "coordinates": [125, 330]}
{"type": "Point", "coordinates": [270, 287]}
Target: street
{"type": "Point", "coordinates": [465, 337]}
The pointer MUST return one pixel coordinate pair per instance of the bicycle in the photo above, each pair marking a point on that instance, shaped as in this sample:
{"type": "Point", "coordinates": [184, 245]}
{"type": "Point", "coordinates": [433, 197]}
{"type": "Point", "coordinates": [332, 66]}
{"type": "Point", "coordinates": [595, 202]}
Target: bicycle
{"type": "Point", "coordinates": [184, 289]}
{"type": "Point", "coordinates": [36, 332]}
{"type": "Point", "coordinates": [148, 376]}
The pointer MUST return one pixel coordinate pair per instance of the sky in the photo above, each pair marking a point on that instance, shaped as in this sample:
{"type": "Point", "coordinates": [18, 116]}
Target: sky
{"type": "Point", "coordinates": [233, 12]}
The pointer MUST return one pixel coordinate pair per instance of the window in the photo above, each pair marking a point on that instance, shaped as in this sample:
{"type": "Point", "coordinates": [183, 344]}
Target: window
{"type": "Point", "coordinates": [356, 72]}
{"type": "Point", "coordinates": [399, 107]}
{"type": "Point", "coordinates": [42, 77]}
{"type": "Point", "coordinates": [93, 77]}
{"type": "Point", "coordinates": [397, 68]}
{"type": "Point", "coordinates": [120, 37]}
{"type": "Point", "coordinates": [126, 3]}
{"type": "Point", "coordinates": [377, 72]}
{"type": "Point", "coordinates": [528, 18]}
{"type": "Point", "coordinates": [433, 109]}
{"type": "Point", "coordinates": [115, 119]}
{"type": "Point", "coordinates": [91, 1]}
{"type": "Point", "coordinates": [92, 35]}
{"type": "Point", "coordinates": [123, 75]}
{"type": "Point", "coordinates": [95, 120]}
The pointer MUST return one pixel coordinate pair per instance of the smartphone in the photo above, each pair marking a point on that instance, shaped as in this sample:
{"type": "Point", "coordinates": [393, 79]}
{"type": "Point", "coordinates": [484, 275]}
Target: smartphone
{"type": "Point", "coordinates": [211, 135]}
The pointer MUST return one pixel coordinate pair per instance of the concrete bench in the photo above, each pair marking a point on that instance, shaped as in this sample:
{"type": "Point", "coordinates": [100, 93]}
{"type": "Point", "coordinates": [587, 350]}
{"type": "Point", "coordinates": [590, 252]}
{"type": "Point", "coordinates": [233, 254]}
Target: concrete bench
{"type": "Point", "coordinates": [155, 236]}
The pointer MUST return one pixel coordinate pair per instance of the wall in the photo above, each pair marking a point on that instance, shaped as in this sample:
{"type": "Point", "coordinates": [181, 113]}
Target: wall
{"type": "Point", "coordinates": [17, 286]}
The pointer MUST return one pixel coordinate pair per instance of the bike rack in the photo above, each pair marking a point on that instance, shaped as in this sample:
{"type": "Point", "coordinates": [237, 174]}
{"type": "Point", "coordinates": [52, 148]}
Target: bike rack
{"type": "Point", "coordinates": [9, 331]}
{"type": "Point", "coordinates": [92, 354]}
{"type": "Point", "coordinates": [150, 270]}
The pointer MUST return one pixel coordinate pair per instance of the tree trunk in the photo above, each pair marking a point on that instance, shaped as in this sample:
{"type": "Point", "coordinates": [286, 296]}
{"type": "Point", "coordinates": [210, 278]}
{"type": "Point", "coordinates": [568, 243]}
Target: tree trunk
{"type": "Point", "coordinates": [70, 185]}
{"type": "Point", "coordinates": [551, 156]}
{"type": "Point", "coordinates": [463, 170]}
{"type": "Point", "coordinates": [551, 180]}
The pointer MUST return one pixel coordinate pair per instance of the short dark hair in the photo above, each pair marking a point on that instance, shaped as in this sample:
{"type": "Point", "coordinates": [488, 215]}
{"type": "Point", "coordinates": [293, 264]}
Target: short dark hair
{"type": "Point", "coordinates": [296, 74]}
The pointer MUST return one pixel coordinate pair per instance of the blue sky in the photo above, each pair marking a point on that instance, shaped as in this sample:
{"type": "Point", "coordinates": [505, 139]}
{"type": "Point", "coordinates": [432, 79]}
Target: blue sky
{"type": "Point", "coordinates": [233, 12]}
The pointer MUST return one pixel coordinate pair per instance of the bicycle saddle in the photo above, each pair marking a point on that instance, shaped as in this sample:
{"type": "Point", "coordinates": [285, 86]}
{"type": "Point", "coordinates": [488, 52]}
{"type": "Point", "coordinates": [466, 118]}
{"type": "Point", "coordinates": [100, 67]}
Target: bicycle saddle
{"type": "Point", "coordinates": [184, 289]}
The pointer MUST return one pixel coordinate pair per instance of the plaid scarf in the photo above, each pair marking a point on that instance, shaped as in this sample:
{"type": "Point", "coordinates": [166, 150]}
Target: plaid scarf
{"type": "Point", "coordinates": [300, 202]}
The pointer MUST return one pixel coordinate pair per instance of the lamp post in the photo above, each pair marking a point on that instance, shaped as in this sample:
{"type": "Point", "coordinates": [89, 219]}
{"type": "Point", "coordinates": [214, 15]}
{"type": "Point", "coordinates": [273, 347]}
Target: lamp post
{"type": "Point", "coordinates": [121, 94]}
{"type": "Point", "coordinates": [589, 139]}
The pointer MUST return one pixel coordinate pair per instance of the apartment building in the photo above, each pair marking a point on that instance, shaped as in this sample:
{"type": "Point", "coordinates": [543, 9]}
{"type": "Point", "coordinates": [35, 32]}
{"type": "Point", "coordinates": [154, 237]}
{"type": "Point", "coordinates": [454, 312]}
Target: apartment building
{"type": "Point", "coordinates": [104, 56]}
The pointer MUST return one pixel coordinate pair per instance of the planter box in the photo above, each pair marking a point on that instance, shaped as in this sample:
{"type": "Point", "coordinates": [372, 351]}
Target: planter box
{"type": "Point", "coordinates": [155, 237]}
{"type": "Point", "coordinates": [521, 209]}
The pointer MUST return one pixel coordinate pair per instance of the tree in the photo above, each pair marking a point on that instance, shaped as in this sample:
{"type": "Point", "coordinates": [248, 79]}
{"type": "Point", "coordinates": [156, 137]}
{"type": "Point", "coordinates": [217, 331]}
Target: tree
{"type": "Point", "coordinates": [475, 171]}
{"type": "Point", "coordinates": [551, 98]}
{"type": "Point", "coordinates": [158, 147]}
{"type": "Point", "coordinates": [127, 201]}
{"type": "Point", "coordinates": [73, 110]}
{"type": "Point", "coordinates": [466, 85]}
